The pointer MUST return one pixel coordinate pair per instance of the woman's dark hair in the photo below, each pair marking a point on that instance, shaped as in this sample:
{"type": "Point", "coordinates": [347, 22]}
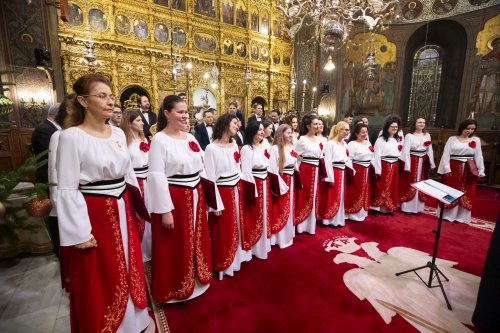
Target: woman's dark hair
{"type": "Point", "coordinates": [385, 131]}
{"type": "Point", "coordinates": [251, 131]}
{"type": "Point", "coordinates": [355, 132]}
{"type": "Point", "coordinates": [325, 129]}
{"type": "Point", "coordinates": [413, 126]}
{"type": "Point", "coordinates": [463, 125]}
{"type": "Point", "coordinates": [222, 125]}
{"type": "Point", "coordinates": [234, 103]}
{"type": "Point", "coordinates": [289, 118]}
{"type": "Point", "coordinates": [306, 121]}
{"type": "Point", "coordinates": [82, 87]}
{"type": "Point", "coordinates": [266, 123]}
{"type": "Point", "coordinates": [62, 113]}
{"type": "Point", "coordinates": [169, 103]}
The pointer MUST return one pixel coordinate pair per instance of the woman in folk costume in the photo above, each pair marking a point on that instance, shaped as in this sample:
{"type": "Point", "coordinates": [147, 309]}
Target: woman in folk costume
{"type": "Point", "coordinates": [268, 131]}
{"type": "Point", "coordinates": [138, 148]}
{"type": "Point", "coordinates": [97, 219]}
{"type": "Point", "coordinates": [222, 166]}
{"type": "Point", "coordinates": [388, 147]}
{"type": "Point", "coordinates": [461, 163]}
{"type": "Point", "coordinates": [181, 264]}
{"type": "Point", "coordinates": [331, 205]}
{"type": "Point", "coordinates": [294, 123]}
{"type": "Point", "coordinates": [256, 234]}
{"type": "Point", "coordinates": [417, 158]}
{"type": "Point", "coordinates": [283, 163]}
{"type": "Point", "coordinates": [357, 198]}
{"type": "Point", "coordinates": [310, 149]}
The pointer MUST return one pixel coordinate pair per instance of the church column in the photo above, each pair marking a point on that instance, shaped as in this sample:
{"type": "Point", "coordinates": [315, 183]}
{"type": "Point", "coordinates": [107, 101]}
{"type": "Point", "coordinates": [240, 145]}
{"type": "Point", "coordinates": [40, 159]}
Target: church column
{"type": "Point", "coordinates": [399, 38]}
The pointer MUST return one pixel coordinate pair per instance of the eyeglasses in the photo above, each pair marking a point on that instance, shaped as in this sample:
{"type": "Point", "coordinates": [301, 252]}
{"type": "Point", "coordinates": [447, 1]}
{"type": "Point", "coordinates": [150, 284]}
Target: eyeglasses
{"type": "Point", "coordinates": [102, 96]}
{"type": "Point", "coordinates": [394, 127]}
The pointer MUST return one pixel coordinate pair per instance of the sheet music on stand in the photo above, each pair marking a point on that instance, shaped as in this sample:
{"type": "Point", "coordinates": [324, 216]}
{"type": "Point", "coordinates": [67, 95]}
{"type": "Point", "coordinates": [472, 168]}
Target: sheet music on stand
{"type": "Point", "coordinates": [439, 191]}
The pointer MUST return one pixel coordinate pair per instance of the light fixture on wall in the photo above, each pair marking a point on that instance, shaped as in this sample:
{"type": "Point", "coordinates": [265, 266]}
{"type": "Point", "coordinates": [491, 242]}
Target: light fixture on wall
{"type": "Point", "coordinates": [293, 78]}
{"type": "Point", "coordinates": [329, 66]}
{"type": "Point", "coordinates": [248, 74]}
{"type": "Point", "coordinates": [90, 55]}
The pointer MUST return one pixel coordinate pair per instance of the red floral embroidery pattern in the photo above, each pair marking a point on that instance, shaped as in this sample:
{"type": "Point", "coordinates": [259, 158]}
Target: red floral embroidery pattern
{"type": "Point", "coordinates": [266, 153]}
{"type": "Point", "coordinates": [400, 147]}
{"type": "Point", "coordinates": [194, 146]}
{"type": "Point", "coordinates": [321, 145]}
{"type": "Point", "coordinates": [472, 144]}
{"type": "Point", "coordinates": [371, 149]}
{"type": "Point", "coordinates": [237, 157]}
{"type": "Point", "coordinates": [144, 146]}
{"type": "Point", "coordinates": [347, 152]}
{"type": "Point", "coordinates": [294, 153]}
{"type": "Point", "coordinates": [427, 143]}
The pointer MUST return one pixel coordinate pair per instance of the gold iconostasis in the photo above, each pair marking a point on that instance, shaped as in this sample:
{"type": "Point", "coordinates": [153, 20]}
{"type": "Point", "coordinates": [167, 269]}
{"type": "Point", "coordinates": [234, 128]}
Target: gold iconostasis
{"type": "Point", "coordinates": [137, 43]}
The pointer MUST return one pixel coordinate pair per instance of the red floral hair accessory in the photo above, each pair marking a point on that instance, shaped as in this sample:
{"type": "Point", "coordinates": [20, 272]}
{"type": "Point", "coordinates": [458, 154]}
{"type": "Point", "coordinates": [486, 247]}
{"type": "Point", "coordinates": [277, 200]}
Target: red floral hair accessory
{"type": "Point", "coordinates": [427, 143]}
{"type": "Point", "coordinates": [237, 157]}
{"type": "Point", "coordinates": [472, 144]}
{"type": "Point", "coordinates": [194, 146]}
{"type": "Point", "coordinates": [294, 153]}
{"type": "Point", "coordinates": [371, 149]}
{"type": "Point", "coordinates": [144, 146]}
{"type": "Point", "coordinates": [266, 153]}
{"type": "Point", "coordinates": [321, 145]}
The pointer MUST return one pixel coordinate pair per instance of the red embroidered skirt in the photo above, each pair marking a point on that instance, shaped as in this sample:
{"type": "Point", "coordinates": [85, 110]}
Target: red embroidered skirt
{"type": "Point", "coordinates": [99, 281]}
{"type": "Point", "coordinates": [304, 197]}
{"type": "Point", "coordinates": [253, 222]}
{"type": "Point", "coordinates": [329, 201]}
{"type": "Point", "coordinates": [462, 179]}
{"type": "Point", "coordinates": [281, 207]}
{"type": "Point", "coordinates": [406, 191]}
{"type": "Point", "coordinates": [358, 190]}
{"type": "Point", "coordinates": [385, 187]}
{"type": "Point", "coordinates": [183, 253]}
{"type": "Point", "coordinates": [224, 229]}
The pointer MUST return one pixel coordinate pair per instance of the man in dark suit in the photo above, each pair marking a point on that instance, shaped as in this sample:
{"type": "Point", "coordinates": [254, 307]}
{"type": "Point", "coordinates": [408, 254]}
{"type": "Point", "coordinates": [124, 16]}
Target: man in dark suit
{"type": "Point", "coordinates": [203, 132]}
{"type": "Point", "coordinates": [240, 135]}
{"type": "Point", "coordinates": [372, 133]}
{"type": "Point", "coordinates": [257, 113]}
{"type": "Point", "coordinates": [274, 116]}
{"type": "Point", "coordinates": [148, 117]}
{"type": "Point", "coordinates": [41, 138]}
{"type": "Point", "coordinates": [233, 109]}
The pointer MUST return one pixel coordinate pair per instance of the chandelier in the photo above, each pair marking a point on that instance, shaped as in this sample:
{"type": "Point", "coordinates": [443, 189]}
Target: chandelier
{"type": "Point", "coordinates": [333, 19]}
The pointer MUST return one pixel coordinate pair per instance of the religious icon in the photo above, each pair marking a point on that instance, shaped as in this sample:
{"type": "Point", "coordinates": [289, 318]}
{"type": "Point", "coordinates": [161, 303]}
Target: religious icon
{"type": "Point", "coordinates": [276, 58]}
{"type": "Point", "coordinates": [264, 53]}
{"type": "Point", "coordinates": [122, 25]}
{"type": "Point", "coordinates": [97, 19]}
{"type": "Point", "coordinates": [241, 16]}
{"type": "Point", "coordinates": [75, 16]}
{"type": "Point", "coordinates": [204, 7]}
{"type": "Point", "coordinates": [441, 7]}
{"type": "Point", "coordinates": [179, 36]}
{"type": "Point", "coordinates": [161, 33]}
{"type": "Point", "coordinates": [241, 49]}
{"type": "Point", "coordinates": [286, 61]}
{"type": "Point", "coordinates": [228, 47]}
{"type": "Point", "coordinates": [161, 2]}
{"type": "Point", "coordinates": [276, 28]}
{"type": "Point", "coordinates": [227, 12]}
{"type": "Point", "coordinates": [254, 21]}
{"type": "Point", "coordinates": [487, 90]}
{"type": "Point", "coordinates": [140, 29]}
{"type": "Point", "coordinates": [412, 9]}
{"type": "Point", "coordinates": [254, 52]}
{"type": "Point", "coordinates": [204, 42]}
{"type": "Point", "coordinates": [179, 5]}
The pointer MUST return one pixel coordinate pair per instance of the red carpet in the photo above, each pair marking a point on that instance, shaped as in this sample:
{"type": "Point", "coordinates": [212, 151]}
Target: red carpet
{"type": "Point", "coordinates": [301, 289]}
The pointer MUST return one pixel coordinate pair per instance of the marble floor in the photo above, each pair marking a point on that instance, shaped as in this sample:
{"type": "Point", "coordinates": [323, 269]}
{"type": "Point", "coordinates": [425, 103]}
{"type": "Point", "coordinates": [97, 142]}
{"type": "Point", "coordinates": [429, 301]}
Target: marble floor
{"type": "Point", "coordinates": [31, 299]}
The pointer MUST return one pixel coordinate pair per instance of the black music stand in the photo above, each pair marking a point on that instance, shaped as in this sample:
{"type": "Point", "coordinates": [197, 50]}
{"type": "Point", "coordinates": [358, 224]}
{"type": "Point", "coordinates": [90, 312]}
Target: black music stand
{"type": "Point", "coordinates": [444, 194]}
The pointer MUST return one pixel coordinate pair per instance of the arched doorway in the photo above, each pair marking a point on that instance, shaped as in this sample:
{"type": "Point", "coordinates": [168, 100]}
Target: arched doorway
{"type": "Point", "coordinates": [450, 39]}
{"type": "Point", "coordinates": [129, 91]}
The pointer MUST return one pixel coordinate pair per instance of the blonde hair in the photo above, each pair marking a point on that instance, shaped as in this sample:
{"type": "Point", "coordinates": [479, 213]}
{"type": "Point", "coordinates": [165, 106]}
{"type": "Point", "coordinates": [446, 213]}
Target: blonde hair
{"type": "Point", "coordinates": [128, 117]}
{"type": "Point", "coordinates": [280, 143]}
{"type": "Point", "coordinates": [336, 129]}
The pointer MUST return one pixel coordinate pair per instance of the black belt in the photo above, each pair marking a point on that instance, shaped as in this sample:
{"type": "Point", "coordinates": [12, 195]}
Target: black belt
{"type": "Point", "coordinates": [311, 160]}
{"type": "Point", "coordinates": [259, 173]}
{"type": "Point", "coordinates": [189, 181]}
{"type": "Point", "coordinates": [229, 181]}
{"type": "Point", "coordinates": [141, 172]}
{"type": "Point", "coordinates": [114, 188]}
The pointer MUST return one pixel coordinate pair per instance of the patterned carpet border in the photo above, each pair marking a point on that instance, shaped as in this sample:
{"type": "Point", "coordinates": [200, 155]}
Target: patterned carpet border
{"type": "Point", "coordinates": [475, 222]}
{"type": "Point", "coordinates": [160, 319]}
